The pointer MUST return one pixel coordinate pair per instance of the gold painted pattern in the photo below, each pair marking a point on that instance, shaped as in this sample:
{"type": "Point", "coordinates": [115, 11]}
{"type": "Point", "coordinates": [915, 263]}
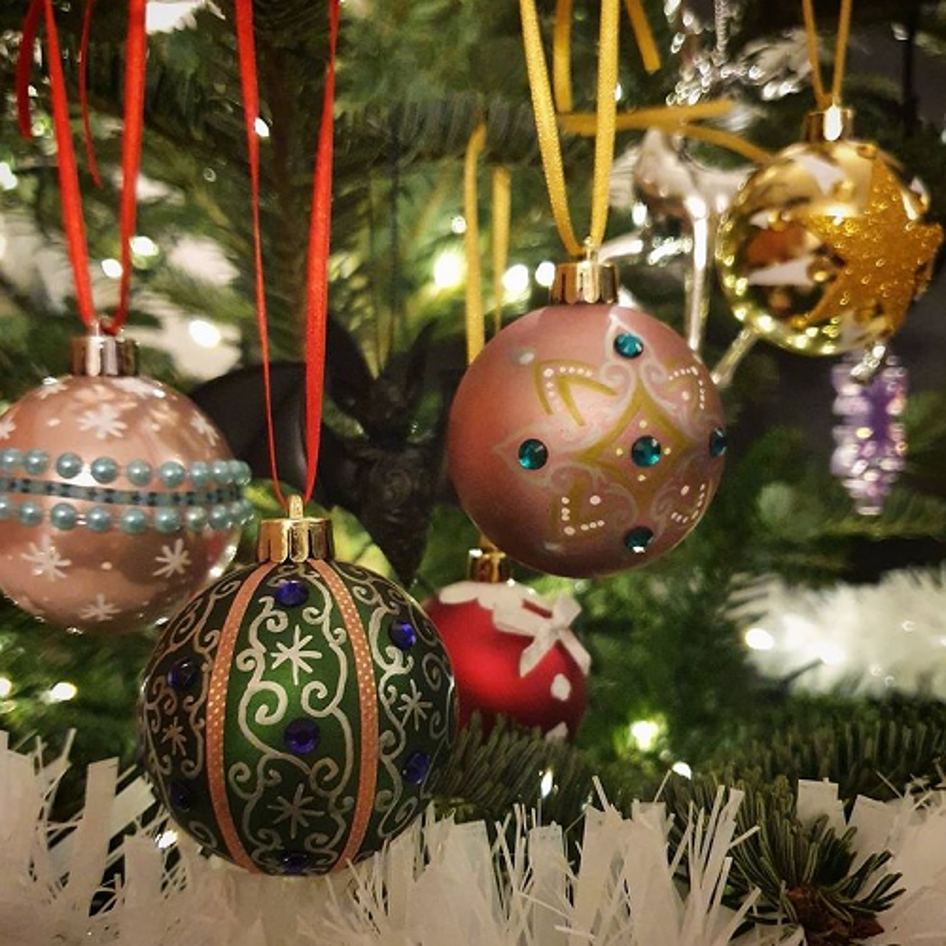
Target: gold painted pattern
{"type": "Point", "coordinates": [368, 708]}
{"type": "Point", "coordinates": [217, 717]}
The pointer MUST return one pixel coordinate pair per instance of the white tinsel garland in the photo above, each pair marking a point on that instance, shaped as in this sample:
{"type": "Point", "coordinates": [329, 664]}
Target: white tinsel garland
{"type": "Point", "coordinates": [439, 884]}
{"type": "Point", "coordinates": [871, 638]}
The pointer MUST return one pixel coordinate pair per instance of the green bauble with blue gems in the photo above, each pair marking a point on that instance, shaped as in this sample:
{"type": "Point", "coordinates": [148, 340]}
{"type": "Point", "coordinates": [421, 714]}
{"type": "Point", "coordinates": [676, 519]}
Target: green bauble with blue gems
{"type": "Point", "coordinates": [296, 714]}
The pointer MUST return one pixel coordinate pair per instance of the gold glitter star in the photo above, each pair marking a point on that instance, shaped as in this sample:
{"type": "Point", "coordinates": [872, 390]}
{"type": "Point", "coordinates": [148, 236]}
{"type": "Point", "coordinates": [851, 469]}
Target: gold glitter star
{"type": "Point", "coordinates": [887, 257]}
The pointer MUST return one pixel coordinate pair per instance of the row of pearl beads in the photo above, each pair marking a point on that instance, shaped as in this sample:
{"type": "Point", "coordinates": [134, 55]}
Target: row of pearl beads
{"type": "Point", "coordinates": [134, 521]}
{"type": "Point", "coordinates": [139, 472]}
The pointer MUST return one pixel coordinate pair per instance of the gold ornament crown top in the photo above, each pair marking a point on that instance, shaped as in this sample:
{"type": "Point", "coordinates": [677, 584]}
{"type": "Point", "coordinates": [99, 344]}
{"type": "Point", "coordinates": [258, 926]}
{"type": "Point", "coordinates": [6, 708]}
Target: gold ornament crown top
{"type": "Point", "coordinates": [97, 355]}
{"type": "Point", "coordinates": [586, 280]}
{"type": "Point", "coordinates": [488, 564]}
{"type": "Point", "coordinates": [833, 123]}
{"type": "Point", "coordinates": [295, 539]}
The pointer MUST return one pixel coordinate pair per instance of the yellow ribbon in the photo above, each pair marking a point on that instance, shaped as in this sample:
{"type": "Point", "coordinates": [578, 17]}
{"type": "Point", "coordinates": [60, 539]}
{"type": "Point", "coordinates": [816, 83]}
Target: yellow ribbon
{"type": "Point", "coordinates": [501, 216]}
{"type": "Point", "coordinates": [547, 123]}
{"type": "Point", "coordinates": [822, 98]}
{"type": "Point", "coordinates": [675, 120]}
{"type": "Point", "coordinates": [475, 323]}
{"type": "Point", "coordinates": [562, 48]}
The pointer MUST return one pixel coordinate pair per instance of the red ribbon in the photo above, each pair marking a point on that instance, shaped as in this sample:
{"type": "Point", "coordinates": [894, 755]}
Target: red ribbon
{"type": "Point", "coordinates": [72, 218]}
{"type": "Point", "coordinates": [316, 293]}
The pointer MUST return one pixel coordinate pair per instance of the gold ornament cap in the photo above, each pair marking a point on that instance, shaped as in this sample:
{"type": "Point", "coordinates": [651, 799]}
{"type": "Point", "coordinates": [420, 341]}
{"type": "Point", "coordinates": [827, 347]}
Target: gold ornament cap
{"type": "Point", "coordinates": [488, 564]}
{"type": "Point", "coordinates": [584, 281]}
{"type": "Point", "coordinates": [98, 355]}
{"type": "Point", "coordinates": [832, 124]}
{"type": "Point", "coordinates": [295, 539]}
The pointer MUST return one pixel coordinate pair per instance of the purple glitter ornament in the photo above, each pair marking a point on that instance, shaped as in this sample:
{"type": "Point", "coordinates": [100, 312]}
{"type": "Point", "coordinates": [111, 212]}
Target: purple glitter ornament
{"type": "Point", "coordinates": [871, 446]}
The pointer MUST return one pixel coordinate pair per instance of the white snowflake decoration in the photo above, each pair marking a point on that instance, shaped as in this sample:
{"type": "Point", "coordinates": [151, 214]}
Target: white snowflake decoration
{"type": "Point", "coordinates": [172, 560]}
{"type": "Point", "coordinates": [205, 428]}
{"type": "Point", "coordinates": [46, 560]}
{"type": "Point", "coordinates": [104, 421]}
{"type": "Point", "coordinates": [297, 655]}
{"type": "Point", "coordinates": [100, 610]}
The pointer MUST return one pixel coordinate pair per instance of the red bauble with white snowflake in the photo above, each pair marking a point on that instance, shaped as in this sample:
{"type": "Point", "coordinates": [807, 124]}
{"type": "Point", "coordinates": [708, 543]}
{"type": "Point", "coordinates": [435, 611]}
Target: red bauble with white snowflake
{"type": "Point", "coordinates": [514, 654]}
{"type": "Point", "coordinates": [119, 498]}
{"type": "Point", "coordinates": [586, 438]}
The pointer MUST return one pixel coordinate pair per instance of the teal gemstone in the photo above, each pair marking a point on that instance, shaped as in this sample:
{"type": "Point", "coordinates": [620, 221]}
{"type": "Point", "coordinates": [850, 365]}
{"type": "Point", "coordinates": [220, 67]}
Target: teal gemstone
{"type": "Point", "coordinates": [133, 521]}
{"type": "Point", "coordinates": [63, 516]}
{"type": "Point", "coordinates": [717, 442]}
{"type": "Point", "coordinates": [646, 451]}
{"type": "Point", "coordinates": [6, 507]}
{"type": "Point", "coordinates": [36, 461]}
{"type": "Point", "coordinates": [533, 454]}
{"type": "Point", "coordinates": [139, 472]}
{"type": "Point", "coordinates": [30, 513]}
{"type": "Point", "coordinates": [69, 465]}
{"type": "Point", "coordinates": [628, 345]}
{"type": "Point", "coordinates": [196, 518]}
{"type": "Point", "coordinates": [167, 519]}
{"type": "Point", "coordinates": [172, 473]}
{"type": "Point", "coordinates": [104, 470]}
{"type": "Point", "coordinates": [98, 519]}
{"type": "Point", "coordinates": [637, 539]}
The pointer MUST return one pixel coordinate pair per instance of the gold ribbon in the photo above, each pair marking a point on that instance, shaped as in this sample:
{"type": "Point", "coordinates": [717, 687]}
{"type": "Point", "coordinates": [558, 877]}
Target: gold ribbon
{"type": "Point", "coordinates": [822, 98]}
{"type": "Point", "coordinates": [501, 216]}
{"type": "Point", "coordinates": [546, 119]}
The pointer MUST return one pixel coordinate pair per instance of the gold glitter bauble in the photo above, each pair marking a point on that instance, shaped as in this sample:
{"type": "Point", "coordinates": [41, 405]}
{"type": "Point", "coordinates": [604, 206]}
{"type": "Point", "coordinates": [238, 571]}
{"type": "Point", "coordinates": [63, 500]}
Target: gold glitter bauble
{"type": "Point", "coordinates": [824, 248]}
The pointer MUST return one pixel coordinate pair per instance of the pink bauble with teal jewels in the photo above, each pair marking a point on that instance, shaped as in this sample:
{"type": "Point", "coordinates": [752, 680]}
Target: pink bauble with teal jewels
{"type": "Point", "coordinates": [119, 499]}
{"type": "Point", "coordinates": [585, 439]}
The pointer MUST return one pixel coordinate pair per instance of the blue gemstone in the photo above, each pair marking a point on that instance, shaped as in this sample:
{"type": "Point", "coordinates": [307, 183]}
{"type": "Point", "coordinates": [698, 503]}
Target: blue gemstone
{"type": "Point", "coordinates": [104, 470]}
{"type": "Point", "coordinates": [30, 513]}
{"type": "Point", "coordinates": [183, 673]}
{"type": "Point", "coordinates": [98, 519]}
{"type": "Point", "coordinates": [196, 518]}
{"type": "Point", "coordinates": [36, 461]}
{"type": "Point", "coordinates": [69, 465]}
{"type": "Point", "coordinates": [415, 768]}
{"type": "Point", "coordinates": [301, 736]}
{"type": "Point", "coordinates": [133, 522]}
{"type": "Point", "coordinates": [180, 796]}
{"type": "Point", "coordinates": [533, 454]}
{"type": "Point", "coordinates": [291, 593]}
{"type": "Point", "coordinates": [139, 472]}
{"type": "Point", "coordinates": [167, 520]}
{"type": "Point", "coordinates": [646, 451]}
{"type": "Point", "coordinates": [717, 442]}
{"type": "Point", "coordinates": [172, 474]}
{"type": "Point", "coordinates": [638, 538]}
{"type": "Point", "coordinates": [63, 516]}
{"type": "Point", "coordinates": [10, 459]}
{"type": "Point", "coordinates": [294, 862]}
{"type": "Point", "coordinates": [402, 634]}
{"type": "Point", "coordinates": [628, 345]}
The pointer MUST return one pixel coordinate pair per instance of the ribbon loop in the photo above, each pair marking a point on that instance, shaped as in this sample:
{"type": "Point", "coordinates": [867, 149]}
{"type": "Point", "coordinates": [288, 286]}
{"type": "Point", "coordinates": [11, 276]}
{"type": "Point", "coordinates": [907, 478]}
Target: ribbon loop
{"type": "Point", "coordinates": [316, 291]}
{"type": "Point", "coordinates": [71, 196]}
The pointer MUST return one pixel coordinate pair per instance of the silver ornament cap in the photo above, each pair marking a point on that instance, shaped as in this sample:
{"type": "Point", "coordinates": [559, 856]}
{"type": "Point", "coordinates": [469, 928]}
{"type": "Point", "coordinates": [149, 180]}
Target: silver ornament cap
{"type": "Point", "coordinates": [97, 355]}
